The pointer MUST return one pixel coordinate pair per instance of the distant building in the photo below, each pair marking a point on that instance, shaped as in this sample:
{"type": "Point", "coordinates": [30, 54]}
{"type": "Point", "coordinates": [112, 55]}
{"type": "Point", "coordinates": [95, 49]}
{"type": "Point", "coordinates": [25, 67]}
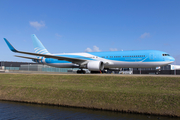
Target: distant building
{"type": "Point", "coordinates": [30, 66]}
{"type": "Point", "coordinates": [14, 64]}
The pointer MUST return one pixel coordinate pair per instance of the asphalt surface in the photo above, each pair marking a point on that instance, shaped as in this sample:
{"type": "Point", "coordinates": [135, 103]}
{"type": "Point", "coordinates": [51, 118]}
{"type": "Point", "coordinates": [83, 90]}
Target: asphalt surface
{"type": "Point", "coordinates": [58, 73]}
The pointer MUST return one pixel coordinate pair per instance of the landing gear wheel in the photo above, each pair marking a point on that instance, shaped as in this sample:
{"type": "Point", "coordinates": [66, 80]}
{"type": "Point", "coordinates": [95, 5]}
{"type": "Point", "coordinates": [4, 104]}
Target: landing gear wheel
{"type": "Point", "coordinates": [95, 72]}
{"type": "Point", "coordinates": [81, 72]}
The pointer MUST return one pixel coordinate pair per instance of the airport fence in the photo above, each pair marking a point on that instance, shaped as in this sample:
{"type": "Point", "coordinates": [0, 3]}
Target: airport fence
{"type": "Point", "coordinates": [167, 72]}
{"type": "Point", "coordinates": [40, 68]}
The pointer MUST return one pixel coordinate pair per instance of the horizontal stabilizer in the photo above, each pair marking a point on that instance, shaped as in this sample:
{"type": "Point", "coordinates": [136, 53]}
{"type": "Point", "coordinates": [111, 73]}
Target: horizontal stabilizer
{"type": "Point", "coordinates": [28, 57]}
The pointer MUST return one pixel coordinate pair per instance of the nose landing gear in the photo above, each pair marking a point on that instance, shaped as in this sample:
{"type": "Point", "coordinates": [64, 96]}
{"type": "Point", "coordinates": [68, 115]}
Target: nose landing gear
{"type": "Point", "coordinates": [158, 70]}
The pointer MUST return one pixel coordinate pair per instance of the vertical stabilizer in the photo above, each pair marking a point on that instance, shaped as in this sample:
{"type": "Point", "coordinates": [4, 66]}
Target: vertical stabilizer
{"type": "Point", "coordinates": [38, 46]}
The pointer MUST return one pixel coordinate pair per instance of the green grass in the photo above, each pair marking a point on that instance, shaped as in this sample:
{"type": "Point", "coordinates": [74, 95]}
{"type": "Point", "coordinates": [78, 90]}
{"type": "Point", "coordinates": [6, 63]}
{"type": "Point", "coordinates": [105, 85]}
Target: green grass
{"type": "Point", "coordinates": [158, 95]}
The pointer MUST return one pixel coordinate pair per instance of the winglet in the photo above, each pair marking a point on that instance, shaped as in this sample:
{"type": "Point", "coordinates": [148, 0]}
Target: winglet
{"type": "Point", "coordinates": [10, 46]}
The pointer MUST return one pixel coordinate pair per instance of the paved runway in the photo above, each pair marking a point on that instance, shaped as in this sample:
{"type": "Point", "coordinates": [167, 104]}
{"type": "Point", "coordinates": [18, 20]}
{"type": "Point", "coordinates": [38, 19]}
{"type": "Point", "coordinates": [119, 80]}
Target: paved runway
{"type": "Point", "coordinates": [58, 73]}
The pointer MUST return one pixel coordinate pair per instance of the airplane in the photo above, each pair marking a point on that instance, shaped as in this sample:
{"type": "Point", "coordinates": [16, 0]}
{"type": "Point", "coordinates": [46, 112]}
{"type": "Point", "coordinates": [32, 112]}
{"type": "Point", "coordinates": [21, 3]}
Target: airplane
{"type": "Point", "coordinates": [96, 61]}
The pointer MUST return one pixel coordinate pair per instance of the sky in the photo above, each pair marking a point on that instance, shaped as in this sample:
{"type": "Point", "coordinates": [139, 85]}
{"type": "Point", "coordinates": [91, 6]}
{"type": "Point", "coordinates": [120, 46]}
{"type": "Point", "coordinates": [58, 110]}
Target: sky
{"type": "Point", "coordinates": [67, 26]}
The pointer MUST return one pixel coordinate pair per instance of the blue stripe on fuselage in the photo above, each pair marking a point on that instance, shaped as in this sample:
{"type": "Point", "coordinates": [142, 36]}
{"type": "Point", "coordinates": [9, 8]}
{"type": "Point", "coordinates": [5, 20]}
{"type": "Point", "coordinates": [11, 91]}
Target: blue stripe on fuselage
{"type": "Point", "coordinates": [51, 60]}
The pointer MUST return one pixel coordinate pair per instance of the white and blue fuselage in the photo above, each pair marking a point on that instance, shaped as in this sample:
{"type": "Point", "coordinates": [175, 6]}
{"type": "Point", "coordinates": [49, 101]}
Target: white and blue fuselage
{"type": "Point", "coordinates": [115, 59]}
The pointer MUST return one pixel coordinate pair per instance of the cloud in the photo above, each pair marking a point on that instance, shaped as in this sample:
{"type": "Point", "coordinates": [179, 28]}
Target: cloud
{"type": "Point", "coordinates": [58, 35]}
{"type": "Point", "coordinates": [145, 35]}
{"type": "Point", "coordinates": [37, 25]}
{"type": "Point", "coordinates": [95, 49]}
{"type": "Point", "coordinates": [88, 50]}
{"type": "Point", "coordinates": [113, 49]}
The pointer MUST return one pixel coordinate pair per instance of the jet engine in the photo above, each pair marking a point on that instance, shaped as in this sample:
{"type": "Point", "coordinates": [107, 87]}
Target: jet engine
{"type": "Point", "coordinates": [95, 65]}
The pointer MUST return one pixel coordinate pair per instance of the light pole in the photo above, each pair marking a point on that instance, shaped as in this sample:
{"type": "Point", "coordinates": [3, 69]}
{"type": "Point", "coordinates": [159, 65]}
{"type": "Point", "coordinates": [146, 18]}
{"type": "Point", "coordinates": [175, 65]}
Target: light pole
{"type": "Point", "coordinates": [28, 66]}
{"type": "Point", "coordinates": [175, 68]}
{"type": "Point", "coordinates": [10, 67]}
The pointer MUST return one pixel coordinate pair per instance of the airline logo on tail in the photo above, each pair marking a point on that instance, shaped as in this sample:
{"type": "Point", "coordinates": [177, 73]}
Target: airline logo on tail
{"type": "Point", "coordinates": [38, 46]}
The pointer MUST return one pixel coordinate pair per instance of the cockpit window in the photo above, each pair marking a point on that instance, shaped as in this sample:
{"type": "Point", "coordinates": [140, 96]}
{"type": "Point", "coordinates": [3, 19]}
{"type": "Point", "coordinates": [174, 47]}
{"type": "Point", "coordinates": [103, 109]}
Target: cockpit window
{"type": "Point", "coordinates": [165, 55]}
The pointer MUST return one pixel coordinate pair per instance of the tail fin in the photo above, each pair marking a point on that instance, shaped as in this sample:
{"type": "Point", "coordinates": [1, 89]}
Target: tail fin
{"type": "Point", "coordinates": [38, 46]}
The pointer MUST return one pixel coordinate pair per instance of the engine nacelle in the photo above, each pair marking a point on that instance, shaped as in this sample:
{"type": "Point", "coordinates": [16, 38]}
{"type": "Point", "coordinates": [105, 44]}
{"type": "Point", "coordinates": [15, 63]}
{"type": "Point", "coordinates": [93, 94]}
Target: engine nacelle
{"type": "Point", "coordinates": [95, 65]}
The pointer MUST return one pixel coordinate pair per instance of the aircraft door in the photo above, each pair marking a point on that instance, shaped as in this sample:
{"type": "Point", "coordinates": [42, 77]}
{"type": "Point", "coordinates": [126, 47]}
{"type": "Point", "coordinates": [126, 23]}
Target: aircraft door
{"type": "Point", "coordinates": [151, 56]}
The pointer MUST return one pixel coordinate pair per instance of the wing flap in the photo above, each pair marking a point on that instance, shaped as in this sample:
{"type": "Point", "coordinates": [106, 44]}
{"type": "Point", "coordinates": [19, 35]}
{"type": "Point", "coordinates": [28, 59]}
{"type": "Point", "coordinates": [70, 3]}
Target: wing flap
{"type": "Point", "coordinates": [28, 57]}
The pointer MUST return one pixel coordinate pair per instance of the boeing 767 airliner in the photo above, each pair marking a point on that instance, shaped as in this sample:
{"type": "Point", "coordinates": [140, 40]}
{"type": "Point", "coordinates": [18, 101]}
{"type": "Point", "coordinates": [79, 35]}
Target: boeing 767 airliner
{"type": "Point", "coordinates": [97, 61]}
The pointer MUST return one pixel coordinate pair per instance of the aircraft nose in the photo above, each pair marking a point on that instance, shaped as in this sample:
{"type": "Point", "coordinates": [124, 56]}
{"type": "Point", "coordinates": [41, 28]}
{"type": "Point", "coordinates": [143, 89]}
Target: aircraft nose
{"type": "Point", "coordinates": [172, 59]}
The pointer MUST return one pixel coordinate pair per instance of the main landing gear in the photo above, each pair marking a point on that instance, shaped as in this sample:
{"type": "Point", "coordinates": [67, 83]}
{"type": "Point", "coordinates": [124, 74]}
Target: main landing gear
{"type": "Point", "coordinates": [81, 71]}
{"type": "Point", "coordinates": [95, 72]}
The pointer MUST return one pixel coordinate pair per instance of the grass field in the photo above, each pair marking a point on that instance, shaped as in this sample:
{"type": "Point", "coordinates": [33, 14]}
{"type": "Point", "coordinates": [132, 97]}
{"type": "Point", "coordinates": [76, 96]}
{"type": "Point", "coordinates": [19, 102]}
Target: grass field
{"type": "Point", "coordinates": [141, 94]}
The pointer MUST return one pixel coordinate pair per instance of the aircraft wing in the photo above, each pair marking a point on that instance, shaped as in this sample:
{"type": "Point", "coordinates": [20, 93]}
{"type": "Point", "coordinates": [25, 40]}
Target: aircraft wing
{"type": "Point", "coordinates": [28, 57]}
{"type": "Point", "coordinates": [74, 60]}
